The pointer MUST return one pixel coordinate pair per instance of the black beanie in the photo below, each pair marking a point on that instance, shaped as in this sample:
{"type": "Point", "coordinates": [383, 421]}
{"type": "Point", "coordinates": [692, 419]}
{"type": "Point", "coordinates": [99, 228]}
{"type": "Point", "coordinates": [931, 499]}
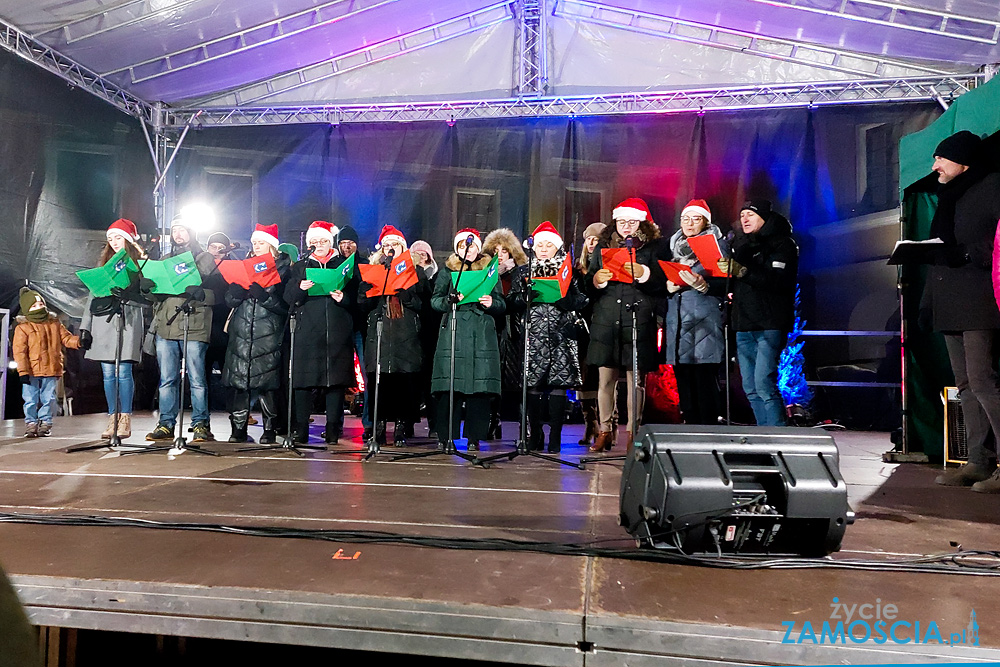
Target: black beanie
{"type": "Point", "coordinates": [962, 148]}
{"type": "Point", "coordinates": [219, 237]}
{"type": "Point", "coordinates": [347, 233]}
{"type": "Point", "coordinates": [761, 207]}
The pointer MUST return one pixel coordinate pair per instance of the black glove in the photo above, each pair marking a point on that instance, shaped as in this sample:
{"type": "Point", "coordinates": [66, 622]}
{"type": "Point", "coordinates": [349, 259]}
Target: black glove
{"type": "Point", "coordinates": [196, 292]}
{"type": "Point", "coordinates": [102, 305]}
{"type": "Point", "coordinates": [237, 292]}
{"type": "Point", "coordinates": [453, 298]}
{"type": "Point", "coordinates": [565, 304]}
{"type": "Point", "coordinates": [86, 339]}
{"type": "Point", "coordinates": [25, 379]}
{"type": "Point", "coordinates": [925, 320]}
{"type": "Point", "coordinates": [258, 292]}
{"type": "Point", "coordinates": [535, 296]}
{"type": "Point", "coordinates": [146, 285]}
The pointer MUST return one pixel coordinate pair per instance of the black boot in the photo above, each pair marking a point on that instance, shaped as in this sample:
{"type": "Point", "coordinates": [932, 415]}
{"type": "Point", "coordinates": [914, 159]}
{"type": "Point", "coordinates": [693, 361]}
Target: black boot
{"type": "Point", "coordinates": [399, 434]}
{"type": "Point", "coordinates": [536, 437]}
{"type": "Point", "coordinates": [269, 414]}
{"type": "Point", "coordinates": [380, 433]}
{"type": "Point", "coordinates": [239, 424]}
{"type": "Point", "coordinates": [557, 415]}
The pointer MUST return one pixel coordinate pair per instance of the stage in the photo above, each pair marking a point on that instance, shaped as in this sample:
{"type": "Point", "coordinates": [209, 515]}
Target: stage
{"type": "Point", "coordinates": [477, 604]}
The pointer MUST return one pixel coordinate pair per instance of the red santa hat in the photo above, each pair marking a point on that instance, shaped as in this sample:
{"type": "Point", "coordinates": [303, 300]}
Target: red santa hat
{"type": "Point", "coordinates": [547, 232]}
{"type": "Point", "coordinates": [125, 228]}
{"type": "Point", "coordinates": [464, 234]}
{"type": "Point", "coordinates": [632, 208]}
{"type": "Point", "coordinates": [321, 229]}
{"type": "Point", "coordinates": [698, 207]}
{"type": "Point", "coordinates": [388, 234]}
{"type": "Point", "coordinates": [266, 233]}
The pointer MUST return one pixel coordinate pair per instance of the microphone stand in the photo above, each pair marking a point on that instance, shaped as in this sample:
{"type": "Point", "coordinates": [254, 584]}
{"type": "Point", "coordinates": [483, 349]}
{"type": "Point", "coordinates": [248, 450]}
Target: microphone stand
{"type": "Point", "coordinates": [372, 448]}
{"type": "Point", "coordinates": [727, 314]}
{"type": "Point", "coordinates": [288, 443]}
{"type": "Point", "coordinates": [179, 445]}
{"type": "Point", "coordinates": [449, 445]}
{"type": "Point", "coordinates": [634, 421]}
{"type": "Point", "coordinates": [114, 441]}
{"type": "Point", "coordinates": [521, 447]}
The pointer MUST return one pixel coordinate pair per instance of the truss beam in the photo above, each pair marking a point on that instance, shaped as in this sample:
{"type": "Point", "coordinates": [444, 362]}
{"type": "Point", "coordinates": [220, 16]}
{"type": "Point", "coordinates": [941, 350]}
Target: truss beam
{"type": "Point", "coordinates": [845, 62]}
{"type": "Point", "coordinates": [120, 16]}
{"type": "Point", "coordinates": [250, 38]}
{"type": "Point", "coordinates": [531, 50]}
{"type": "Point", "coordinates": [29, 48]}
{"type": "Point", "coordinates": [898, 15]}
{"type": "Point", "coordinates": [380, 51]}
{"type": "Point", "coordinates": [746, 97]}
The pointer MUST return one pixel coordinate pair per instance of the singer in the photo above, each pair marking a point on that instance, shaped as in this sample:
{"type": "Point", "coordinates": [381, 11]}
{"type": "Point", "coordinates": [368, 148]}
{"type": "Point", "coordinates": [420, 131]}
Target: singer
{"type": "Point", "coordinates": [324, 339]}
{"type": "Point", "coordinates": [477, 357]}
{"type": "Point", "coordinates": [611, 330]}
{"type": "Point", "coordinates": [401, 351]}
{"type": "Point", "coordinates": [169, 339]}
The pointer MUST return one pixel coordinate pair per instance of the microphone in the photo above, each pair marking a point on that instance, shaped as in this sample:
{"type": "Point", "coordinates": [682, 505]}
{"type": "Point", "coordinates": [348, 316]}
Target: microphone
{"type": "Point", "coordinates": [390, 252]}
{"type": "Point", "coordinates": [310, 250]}
{"type": "Point", "coordinates": [469, 239]}
{"type": "Point", "coordinates": [629, 242]}
{"type": "Point", "coordinates": [529, 242]}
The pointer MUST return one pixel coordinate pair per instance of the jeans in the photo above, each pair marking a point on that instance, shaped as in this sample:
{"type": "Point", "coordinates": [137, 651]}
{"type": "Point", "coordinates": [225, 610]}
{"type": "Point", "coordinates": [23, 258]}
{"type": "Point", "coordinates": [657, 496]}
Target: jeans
{"type": "Point", "coordinates": [168, 356]}
{"type": "Point", "coordinates": [759, 353]}
{"type": "Point", "coordinates": [359, 348]}
{"type": "Point", "coordinates": [973, 356]}
{"type": "Point", "coordinates": [39, 397]}
{"type": "Point", "coordinates": [126, 386]}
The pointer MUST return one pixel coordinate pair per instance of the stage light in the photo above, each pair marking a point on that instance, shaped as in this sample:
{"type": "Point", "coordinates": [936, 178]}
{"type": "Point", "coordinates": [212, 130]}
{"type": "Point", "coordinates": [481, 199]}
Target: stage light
{"type": "Point", "coordinates": [199, 217]}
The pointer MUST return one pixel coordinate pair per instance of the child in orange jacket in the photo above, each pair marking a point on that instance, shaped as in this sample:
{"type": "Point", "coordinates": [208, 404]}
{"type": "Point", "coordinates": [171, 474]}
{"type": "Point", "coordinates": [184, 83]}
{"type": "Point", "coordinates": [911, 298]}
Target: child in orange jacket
{"type": "Point", "coordinates": [38, 341]}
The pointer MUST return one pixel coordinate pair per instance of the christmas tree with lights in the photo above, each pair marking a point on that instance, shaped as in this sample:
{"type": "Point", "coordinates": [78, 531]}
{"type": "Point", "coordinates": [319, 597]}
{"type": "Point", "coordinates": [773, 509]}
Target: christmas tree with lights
{"type": "Point", "coordinates": [791, 372]}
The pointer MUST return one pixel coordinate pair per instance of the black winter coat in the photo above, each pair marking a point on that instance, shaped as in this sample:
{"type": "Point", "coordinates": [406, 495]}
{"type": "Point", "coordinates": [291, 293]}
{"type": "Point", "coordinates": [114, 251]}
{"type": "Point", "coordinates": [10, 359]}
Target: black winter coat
{"type": "Point", "coordinates": [764, 298]}
{"type": "Point", "coordinates": [256, 333]}
{"type": "Point", "coordinates": [553, 352]}
{"type": "Point", "coordinates": [611, 325]}
{"type": "Point", "coordinates": [401, 348]}
{"type": "Point", "coordinates": [324, 336]}
{"type": "Point", "coordinates": [477, 358]}
{"type": "Point", "coordinates": [961, 296]}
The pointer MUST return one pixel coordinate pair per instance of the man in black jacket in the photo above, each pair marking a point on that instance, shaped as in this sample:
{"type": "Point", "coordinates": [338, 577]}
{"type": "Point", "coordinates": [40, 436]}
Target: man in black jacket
{"type": "Point", "coordinates": [763, 268]}
{"type": "Point", "coordinates": [958, 300]}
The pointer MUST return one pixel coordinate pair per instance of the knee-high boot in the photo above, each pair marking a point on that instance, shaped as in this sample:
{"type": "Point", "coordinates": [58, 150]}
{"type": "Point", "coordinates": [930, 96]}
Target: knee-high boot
{"type": "Point", "coordinates": [557, 415]}
{"type": "Point", "coordinates": [590, 421]}
{"type": "Point", "coordinates": [269, 411]}
{"type": "Point", "coordinates": [536, 437]}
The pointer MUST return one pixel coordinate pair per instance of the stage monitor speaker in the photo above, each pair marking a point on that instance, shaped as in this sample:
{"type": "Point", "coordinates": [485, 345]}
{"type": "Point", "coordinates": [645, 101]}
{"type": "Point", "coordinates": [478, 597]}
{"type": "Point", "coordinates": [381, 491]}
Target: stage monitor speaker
{"type": "Point", "coordinates": [737, 490]}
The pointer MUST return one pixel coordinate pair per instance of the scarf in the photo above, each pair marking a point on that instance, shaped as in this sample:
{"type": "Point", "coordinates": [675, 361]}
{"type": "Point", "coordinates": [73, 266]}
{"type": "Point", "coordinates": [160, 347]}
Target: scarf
{"type": "Point", "coordinates": [681, 249]}
{"type": "Point", "coordinates": [547, 268]}
{"type": "Point", "coordinates": [393, 306]}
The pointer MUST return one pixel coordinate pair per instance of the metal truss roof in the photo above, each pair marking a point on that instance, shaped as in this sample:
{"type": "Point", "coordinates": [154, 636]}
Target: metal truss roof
{"type": "Point", "coordinates": [657, 25]}
{"type": "Point", "coordinates": [899, 15]}
{"type": "Point", "coordinates": [25, 46]}
{"type": "Point", "coordinates": [719, 99]}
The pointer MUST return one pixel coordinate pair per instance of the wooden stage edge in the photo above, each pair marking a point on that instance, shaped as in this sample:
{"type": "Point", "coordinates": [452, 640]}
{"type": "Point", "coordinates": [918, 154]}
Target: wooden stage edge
{"type": "Point", "coordinates": [489, 605]}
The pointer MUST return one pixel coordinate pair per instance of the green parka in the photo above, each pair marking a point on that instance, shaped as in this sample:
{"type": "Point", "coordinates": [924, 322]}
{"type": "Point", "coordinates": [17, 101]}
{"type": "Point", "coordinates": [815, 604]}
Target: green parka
{"type": "Point", "coordinates": [477, 356]}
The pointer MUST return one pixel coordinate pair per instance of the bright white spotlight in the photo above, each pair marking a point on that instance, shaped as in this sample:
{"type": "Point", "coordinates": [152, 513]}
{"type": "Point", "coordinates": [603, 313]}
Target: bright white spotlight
{"type": "Point", "coordinates": [198, 217]}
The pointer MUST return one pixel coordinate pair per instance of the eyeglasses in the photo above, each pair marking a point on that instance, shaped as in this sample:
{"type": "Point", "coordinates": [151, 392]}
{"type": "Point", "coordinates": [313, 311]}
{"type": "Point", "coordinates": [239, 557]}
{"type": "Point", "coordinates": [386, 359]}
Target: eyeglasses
{"type": "Point", "coordinates": [318, 241]}
{"type": "Point", "coordinates": [692, 218]}
{"type": "Point", "coordinates": [630, 223]}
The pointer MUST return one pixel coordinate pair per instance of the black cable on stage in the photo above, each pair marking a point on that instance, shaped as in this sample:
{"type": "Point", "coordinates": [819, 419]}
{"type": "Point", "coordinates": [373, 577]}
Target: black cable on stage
{"type": "Point", "coordinates": [964, 562]}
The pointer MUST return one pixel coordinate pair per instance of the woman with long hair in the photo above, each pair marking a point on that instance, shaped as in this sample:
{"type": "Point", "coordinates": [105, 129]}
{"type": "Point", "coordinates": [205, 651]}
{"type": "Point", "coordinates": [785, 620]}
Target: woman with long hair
{"type": "Point", "coordinates": [588, 388]}
{"type": "Point", "coordinates": [553, 357]}
{"type": "Point", "coordinates": [401, 351]}
{"type": "Point", "coordinates": [477, 358]}
{"type": "Point", "coordinates": [253, 363]}
{"type": "Point", "coordinates": [323, 355]}
{"type": "Point", "coordinates": [693, 338]}
{"type": "Point", "coordinates": [100, 336]}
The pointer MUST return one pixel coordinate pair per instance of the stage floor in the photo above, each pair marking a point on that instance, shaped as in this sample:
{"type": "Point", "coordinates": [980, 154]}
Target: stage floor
{"type": "Point", "coordinates": [527, 608]}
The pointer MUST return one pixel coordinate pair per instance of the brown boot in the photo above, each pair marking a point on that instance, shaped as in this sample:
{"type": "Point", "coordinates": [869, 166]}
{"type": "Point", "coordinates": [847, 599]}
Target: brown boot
{"type": "Point", "coordinates": [106, 434]}
{"type": "Point", "coordinates": [605, 441]}
{"type": "Point", "coordinates": [124, 426]}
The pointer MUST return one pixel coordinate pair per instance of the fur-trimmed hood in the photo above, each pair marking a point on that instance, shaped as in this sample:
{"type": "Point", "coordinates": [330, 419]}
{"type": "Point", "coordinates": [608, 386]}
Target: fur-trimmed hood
{"type": "Point", "coordinates": [505, 238]}
{"type": "Point", "coordinates": [650, 231]}
{"type": "Point", "coordinates": [454, 262]}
